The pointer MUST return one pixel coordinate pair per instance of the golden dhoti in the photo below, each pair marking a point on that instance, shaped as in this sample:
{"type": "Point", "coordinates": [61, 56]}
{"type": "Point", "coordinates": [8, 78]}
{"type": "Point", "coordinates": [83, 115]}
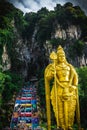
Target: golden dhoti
{"type": "Point", "coordinates": [66, 106]}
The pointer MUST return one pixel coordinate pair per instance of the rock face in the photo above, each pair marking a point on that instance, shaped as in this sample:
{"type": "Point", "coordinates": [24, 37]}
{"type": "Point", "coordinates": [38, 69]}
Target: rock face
{"type": "Point", "coordinates": [6, 63]}
{"type": "Point", "coordinates": [33, 35]}
{"type": "Point", "coordinates": [32, 57]}
{"type": "Point", "coordinates": [71, 32]}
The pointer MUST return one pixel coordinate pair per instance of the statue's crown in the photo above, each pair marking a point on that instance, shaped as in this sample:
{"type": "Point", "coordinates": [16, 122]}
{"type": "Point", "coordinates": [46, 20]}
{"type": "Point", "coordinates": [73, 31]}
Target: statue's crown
{"type": "Point", "coordinates": [60, 50]}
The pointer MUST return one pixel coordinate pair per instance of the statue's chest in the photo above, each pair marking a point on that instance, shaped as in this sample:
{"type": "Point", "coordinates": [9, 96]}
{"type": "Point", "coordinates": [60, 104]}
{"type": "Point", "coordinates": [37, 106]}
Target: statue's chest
{"type": "Point", "coordinates": [62, 72]}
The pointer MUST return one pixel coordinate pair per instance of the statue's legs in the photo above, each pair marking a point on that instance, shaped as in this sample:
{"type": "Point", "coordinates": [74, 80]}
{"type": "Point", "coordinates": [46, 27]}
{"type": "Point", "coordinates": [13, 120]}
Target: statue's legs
{"type": "Point", "coordinates": [61, 113]}
{"type": "Point", "coordinates": [66, 110]}
{"type": "Point", "coordinates": [72, 107]}
{"type": "Point", "coordinates": [60, 108]}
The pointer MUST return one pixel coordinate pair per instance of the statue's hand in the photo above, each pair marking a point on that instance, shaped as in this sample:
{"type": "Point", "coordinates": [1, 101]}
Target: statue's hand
{"type": "Point", "coordinates": [52, 71]}
{"type": "Point", "coordinates": [72, 88]}
{"type": "Point", "coordinates": [49, 72]}
{"type": "Point", "coordinates": [65, 96]}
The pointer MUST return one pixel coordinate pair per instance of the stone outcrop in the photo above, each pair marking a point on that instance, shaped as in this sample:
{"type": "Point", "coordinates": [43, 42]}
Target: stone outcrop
{"type": "Point", "coordinates": [71, 32]}
{"type": "Point", "coordinates": [6, 63]}
{"type": "Point", "coordinates": [32, 57]}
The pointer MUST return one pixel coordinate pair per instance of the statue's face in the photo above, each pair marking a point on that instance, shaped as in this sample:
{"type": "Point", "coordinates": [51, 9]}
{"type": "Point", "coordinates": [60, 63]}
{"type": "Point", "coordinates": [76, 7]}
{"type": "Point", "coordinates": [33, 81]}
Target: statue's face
{"type": "Point", "coordinates": [61, 57]}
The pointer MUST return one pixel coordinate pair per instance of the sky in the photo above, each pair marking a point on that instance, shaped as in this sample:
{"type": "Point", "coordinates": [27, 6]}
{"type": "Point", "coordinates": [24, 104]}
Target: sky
{"type": "Point", "coordinates": [35, 5]}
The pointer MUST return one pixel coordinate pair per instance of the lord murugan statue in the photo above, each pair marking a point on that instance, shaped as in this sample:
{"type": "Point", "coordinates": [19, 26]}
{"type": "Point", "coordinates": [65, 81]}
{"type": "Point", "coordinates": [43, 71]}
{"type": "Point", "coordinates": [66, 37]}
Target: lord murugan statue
{"type": "Point", "coordinates": [64, 93]}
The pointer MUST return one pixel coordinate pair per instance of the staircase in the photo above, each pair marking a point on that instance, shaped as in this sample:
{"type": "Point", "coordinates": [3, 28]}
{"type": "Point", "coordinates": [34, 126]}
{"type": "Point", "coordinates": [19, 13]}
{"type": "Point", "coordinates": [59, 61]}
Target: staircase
{"type": "Point", "coordinates": [25, 114]}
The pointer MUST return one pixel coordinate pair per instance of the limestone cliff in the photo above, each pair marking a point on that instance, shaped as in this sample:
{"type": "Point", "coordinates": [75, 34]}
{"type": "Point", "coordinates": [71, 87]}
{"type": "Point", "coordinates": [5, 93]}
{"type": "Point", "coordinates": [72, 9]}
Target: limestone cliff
{"type": "Point", "coordinates": [37, 34]}
{"type": "Point", "coordinates": [32, 57]}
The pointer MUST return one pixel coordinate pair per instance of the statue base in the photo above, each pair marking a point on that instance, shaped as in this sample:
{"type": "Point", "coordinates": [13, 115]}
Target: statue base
{"type": "Point", "coordinates": [63, 129]}
{"type": "Point", "coordinates": [58, 129]}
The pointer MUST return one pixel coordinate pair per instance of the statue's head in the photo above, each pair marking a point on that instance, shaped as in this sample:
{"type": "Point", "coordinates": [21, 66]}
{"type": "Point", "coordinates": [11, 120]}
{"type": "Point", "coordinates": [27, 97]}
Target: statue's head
{"type": "Point", "coordinates": [60, 50]}
{"type": "Point", "coordinates": [61, 54]}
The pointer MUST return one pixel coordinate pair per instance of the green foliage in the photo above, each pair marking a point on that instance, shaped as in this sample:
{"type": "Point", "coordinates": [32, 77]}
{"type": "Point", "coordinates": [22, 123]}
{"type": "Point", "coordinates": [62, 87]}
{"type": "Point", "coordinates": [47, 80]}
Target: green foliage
{"type": "Point", "coordinates": [42, 12]}
{"type": "Point", "coordinates": [6, 36]}
{"type": "Point", "coordinates": [57, 41]}
{"type": "Point", "coordinates": [68, 4]}
{"type": "Point", "coordinates": [30, 19]}
{"type": "Point", "coordinates": [2, 80]}
{"type": "Point", "coordinates": [58, 7]}
{"type": "Point", "coordinates": [77, 48]}
{"type": "Point", "coordinates": [41, 87]}
{"type": "Point", "coordinates": [41, 90]}
{"type": "Point", "coordinates": [84, 29]}
{"type": "Point", "coordinates": [80, 13]}
{"type": "Point", "coordinates": [44, 30]}
{"type": "Point", "coordinates": [74, 13]}
{"type": "Point", "coordinates": [82, 72]}
{"type": "Point", "coordinates": [69, 14]}
{"type": "Point", "coordinates": [6, 13]}
{"type": "Point", "coordinates": [6, 27]}
{"type": "Point", "coordinates": [10, 84]}
{"type": "Point", "coordinates": [1, 50]}
{"type": "Point", "coordinates": [20, 22]}
{"type": "Point", "coordinates": [45, 23]}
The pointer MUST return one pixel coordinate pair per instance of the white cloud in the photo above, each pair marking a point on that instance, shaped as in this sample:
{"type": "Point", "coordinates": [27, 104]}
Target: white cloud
{"type": "Point", "coordinates": [20, 6]}
{"type": "Point", "coordinates": [31, 4]}
{"type": "Point", "coordinates": [35, 5]}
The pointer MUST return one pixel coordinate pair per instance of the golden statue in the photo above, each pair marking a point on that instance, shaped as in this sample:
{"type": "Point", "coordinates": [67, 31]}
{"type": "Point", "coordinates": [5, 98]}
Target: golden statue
{"type": "Point", "coordinates": [64, 93]}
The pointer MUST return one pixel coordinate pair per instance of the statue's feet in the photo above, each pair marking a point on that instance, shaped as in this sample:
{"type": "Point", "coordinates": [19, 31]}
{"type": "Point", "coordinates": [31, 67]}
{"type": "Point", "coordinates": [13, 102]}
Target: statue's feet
{"type": "Point", "coordinates": [59, 128]}
{"type": "Point", "coordinates": [70, 128]}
